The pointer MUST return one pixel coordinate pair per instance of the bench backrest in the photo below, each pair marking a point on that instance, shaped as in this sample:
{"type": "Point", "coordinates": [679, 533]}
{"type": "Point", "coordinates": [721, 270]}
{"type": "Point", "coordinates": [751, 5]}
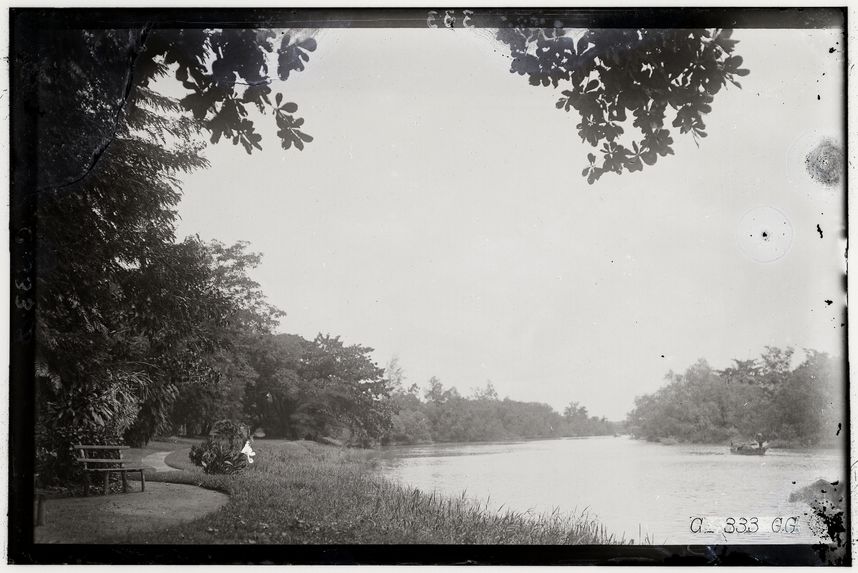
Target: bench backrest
{"type": "Point", "coordinates": [99, 456]}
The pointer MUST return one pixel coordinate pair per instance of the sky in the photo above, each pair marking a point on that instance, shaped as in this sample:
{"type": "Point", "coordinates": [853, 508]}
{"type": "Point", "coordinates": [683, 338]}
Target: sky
{"type": "Point", "coordinates": [440, 216]}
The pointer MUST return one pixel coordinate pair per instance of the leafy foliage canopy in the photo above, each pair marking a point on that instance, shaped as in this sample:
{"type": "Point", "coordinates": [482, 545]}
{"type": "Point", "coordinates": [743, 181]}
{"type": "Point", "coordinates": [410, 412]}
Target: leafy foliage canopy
{"type": "Point", "coordinates": [615, 77]}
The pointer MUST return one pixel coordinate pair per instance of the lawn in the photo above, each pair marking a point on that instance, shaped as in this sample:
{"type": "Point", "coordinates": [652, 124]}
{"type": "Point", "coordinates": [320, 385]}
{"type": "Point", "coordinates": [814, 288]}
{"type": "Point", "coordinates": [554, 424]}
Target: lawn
{"type": "Point", "coordinates": [304, 492]}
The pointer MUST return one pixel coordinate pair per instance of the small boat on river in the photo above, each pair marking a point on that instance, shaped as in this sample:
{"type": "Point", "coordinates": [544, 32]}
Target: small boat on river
{"type": "Point", "coordinates": [748, 449]}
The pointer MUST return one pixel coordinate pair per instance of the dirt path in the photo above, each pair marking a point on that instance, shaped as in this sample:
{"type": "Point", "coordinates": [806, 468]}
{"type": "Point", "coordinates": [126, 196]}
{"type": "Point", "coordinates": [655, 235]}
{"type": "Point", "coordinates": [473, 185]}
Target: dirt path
{"type": "Point", "coordinates": [156, 462]}
{"type": "Point", "coordinates": [100, 518]}
{"type": "Point", "coordinates": [96, 518]}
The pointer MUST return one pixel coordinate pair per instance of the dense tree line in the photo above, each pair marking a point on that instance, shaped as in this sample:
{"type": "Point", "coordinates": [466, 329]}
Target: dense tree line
{"type": "Point", "coordinates": [297, 388]}
{"type": "Point", "coordinates": [443, 415]}
{"type": "Point", "coordinates": [128, 321]}
{"type": "Point", "coordinates": [803, 405]}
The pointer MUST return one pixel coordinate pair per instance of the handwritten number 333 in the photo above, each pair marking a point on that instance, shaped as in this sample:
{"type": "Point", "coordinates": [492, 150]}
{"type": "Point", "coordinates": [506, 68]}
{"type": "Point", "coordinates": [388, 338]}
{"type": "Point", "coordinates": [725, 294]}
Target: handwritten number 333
{"type": "Point", "coordinates": [449, 18]}
{"type": "Point", "coordinates": [743, 526]}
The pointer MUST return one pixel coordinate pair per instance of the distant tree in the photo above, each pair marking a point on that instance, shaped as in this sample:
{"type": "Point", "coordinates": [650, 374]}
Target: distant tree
{"type": "Point", "coordinates": [576, 419]}
{"type": "Point", "coordinates": [351, 389]}
{"type": "Point", "coordinates": [775, 365]}
{"type": "Point", "coordinates": [203, 401]}
{"type": "Point", "coordinates": [409, 426]}
{"type": "Point", "coordinates": [436, 393]}
{"type": "Point", "coordinates": [446, 416]}
{"type": "Point", "coordinates": [765, 397]}
{"type": "Point", "coordinates": [237, 315]}
{"type": "Point", "coordinates": [408, 422]}
{"type": "Point", "coordinates": [395, 375]}
{"type": "Point", "coordinates": [529, 419]}
{"type": "Point", "coordinates": [278, 399]}
{"type": "Point", "coordinates": [809, 404]}
{"type": "Point", "coordinates": [609, 74]}
{"type": "Point", "coordinates": [487, 393]}
{"type": "Point", "coordinates": [200, 310]}
{"type": "Point", "coordinates": [742, 372]}
{"type": "Point", "coordinates": [312, 389]}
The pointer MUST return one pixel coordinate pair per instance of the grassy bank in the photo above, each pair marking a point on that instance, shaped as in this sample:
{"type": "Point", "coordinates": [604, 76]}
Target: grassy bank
{"type": "Point", "coordinates": [303, 492]}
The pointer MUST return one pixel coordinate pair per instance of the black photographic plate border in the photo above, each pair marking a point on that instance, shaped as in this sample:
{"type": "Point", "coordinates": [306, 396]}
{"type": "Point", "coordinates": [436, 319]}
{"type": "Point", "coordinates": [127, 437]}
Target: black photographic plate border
{"type": "Point", "coordinates": [25, 26]}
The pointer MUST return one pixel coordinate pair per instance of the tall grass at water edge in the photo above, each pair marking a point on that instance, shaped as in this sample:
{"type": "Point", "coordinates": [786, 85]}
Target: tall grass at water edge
{"type": "Point", "coordinates": [303, 492]}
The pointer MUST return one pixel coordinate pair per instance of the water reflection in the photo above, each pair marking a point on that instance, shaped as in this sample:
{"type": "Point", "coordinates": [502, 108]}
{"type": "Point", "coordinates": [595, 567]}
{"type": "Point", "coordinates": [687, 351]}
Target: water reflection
{"type": "Point", "coordinates": [637, 489]}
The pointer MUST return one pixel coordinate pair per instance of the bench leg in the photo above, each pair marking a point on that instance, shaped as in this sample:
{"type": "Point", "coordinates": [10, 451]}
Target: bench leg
{"type": "Point", "coordinates": [85, 483]}
{"type": "Point", "coordinates": [142, 481]}
{"type": "Point", "coordinates": [41, 512]}
{"type": "Point", "coordinates": [106, 482]}
{"type": "Point", "coordinates": [124, 482]}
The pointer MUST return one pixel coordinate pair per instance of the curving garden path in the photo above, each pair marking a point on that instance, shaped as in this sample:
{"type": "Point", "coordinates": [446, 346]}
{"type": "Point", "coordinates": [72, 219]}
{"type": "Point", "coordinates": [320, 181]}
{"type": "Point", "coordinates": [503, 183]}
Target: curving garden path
{"type": "Point", "coordinates": [156, 462]}
{"type": "Point", "coordinates": [103, 518]}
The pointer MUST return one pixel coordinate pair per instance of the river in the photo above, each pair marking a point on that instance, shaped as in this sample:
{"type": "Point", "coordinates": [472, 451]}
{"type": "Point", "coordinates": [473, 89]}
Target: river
{"type": "Point", "coordinates": [643, 491]}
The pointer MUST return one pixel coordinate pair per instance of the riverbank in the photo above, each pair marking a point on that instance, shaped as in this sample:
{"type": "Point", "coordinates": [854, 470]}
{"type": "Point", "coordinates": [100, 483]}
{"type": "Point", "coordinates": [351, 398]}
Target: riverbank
{"type": "Point", "coordinates": [774, 443]}
{"type": "Point", "coordinates": [493, 440]}
{"type": "Point", "coordinates": [309, 493]}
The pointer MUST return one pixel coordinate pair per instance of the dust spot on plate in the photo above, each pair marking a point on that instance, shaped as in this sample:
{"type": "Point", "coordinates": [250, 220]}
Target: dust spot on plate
{"type": "Point", "coordinates": [824, 163]}
{"type": "Point", "coordinates": [764, 234]}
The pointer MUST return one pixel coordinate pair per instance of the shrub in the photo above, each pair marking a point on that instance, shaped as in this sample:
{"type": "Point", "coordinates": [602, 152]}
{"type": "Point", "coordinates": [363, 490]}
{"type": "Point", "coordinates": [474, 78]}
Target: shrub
{"type": "Point", "coordinates": [217, 457]}
{"type": "Point", "coordinates": [98, 412]}
{"type": "Point", "coordinates": [233, 432]}
{"type": "Point", "coordinates": [222, 452]}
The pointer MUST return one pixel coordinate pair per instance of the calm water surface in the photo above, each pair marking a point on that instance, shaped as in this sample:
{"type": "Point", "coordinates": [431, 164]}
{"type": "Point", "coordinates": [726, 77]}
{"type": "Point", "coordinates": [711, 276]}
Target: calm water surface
{"type": "Point", "coordinates": [644, 491]}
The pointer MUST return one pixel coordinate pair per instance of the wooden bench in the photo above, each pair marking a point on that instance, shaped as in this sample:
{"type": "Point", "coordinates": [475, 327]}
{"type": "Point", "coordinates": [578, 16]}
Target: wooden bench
{"type": "Point", "coordinates": [94, 460]}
